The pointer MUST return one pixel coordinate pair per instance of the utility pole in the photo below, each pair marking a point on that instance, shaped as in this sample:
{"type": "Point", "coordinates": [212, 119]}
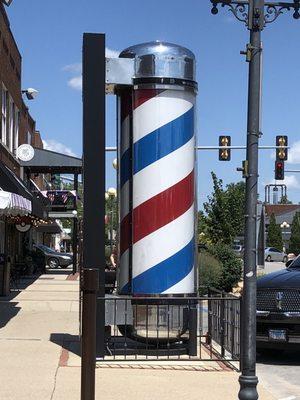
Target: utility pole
{"type": "Point", "coordinates": [252, 13]}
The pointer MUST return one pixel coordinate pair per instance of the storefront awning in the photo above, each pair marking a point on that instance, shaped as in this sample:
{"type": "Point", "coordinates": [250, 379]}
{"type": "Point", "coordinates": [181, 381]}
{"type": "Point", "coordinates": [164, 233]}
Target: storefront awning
{"type": "Point", "coordinates": [51, 228]}
{"type": "Point", "coordinates": [9, 182]}
{"type": "Point", "coordinates": [14, 204]}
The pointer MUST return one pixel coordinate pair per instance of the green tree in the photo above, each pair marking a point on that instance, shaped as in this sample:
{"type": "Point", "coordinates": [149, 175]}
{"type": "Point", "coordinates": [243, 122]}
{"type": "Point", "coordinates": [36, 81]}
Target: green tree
{"type": "Point", "coordinates": [294, 246]}
{"type": "Point", "coordinates": [284, 200]}
{"type": "Point", "coordinates": [224, 218]}
{"type": "Point", "coordinates": [274, 238]}
{"type": "Point", "coordinates": [231, 266]}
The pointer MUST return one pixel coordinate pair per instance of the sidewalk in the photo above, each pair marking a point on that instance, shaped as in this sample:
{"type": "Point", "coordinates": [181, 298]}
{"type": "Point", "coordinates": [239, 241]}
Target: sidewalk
{"type": "Point", "coordinates": [40, 355]}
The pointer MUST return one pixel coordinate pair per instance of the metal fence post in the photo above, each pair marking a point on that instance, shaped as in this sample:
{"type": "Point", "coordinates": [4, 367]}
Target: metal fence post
{"type": "Point", "coordinates": [193, 328]}
{"type": "Point", "coordinates": [90, 286]}
{"type": "Point", "coordinates": [222, 324]}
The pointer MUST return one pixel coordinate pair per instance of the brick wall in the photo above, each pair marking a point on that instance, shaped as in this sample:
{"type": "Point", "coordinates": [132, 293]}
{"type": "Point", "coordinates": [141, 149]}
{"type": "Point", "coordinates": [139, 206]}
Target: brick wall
{"type": "Point", "coordinates": [10, 76]}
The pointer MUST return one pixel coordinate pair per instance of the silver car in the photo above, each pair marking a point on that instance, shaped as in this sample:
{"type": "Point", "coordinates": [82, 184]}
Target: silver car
{"type": "Point", "coordinates": [272, 254]}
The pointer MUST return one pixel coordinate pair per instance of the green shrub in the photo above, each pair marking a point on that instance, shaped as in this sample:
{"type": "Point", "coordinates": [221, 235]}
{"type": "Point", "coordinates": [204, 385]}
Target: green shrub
{"type": "Point", "coordinates": [210, 272]}
{"type": "Point", "coordinates": [231, 266]}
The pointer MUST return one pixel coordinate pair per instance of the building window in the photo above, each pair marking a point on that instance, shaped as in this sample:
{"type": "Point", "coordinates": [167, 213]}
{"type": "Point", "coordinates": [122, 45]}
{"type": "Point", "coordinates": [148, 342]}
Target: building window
{"type": "Point", "coordinates": [16, 129]}
{"type": "Point", "coordinates": [28, 137]}
{"type": "Point", "coordinates": [10, 141]}
{"type": "Point", "coordinates": [4, 97]}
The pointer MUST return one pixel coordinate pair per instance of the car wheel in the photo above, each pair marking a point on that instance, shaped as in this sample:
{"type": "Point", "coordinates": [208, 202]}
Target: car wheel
{"type": "Point", "coordinates": [285, 259]}
{"type": "Point", "coordinates": [53, 262]}
{"type": "Point", "coordinates": [269, 258]}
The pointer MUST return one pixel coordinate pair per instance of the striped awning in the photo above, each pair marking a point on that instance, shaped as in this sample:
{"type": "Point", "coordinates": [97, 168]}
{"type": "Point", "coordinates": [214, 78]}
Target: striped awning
{"type": "Point", "coordinates": [14, 204]}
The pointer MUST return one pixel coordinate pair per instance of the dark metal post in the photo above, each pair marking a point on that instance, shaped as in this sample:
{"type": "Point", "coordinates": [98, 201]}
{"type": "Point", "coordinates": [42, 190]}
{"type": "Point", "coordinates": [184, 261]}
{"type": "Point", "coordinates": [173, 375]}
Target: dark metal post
{"type": "Point", "coordinates": [90, 283]}
{"type": "Point", "coordinates": [222, 324]}
{"type": "Point", "coordinates": [248, 380]}
{"type": "Point", "coordinates": [75, 243]}
{"type": "Point", "coordinates": [75, 228]}
{"type": "Point", "coordinates": [193, 328]}
{"type": "Point", "coordinates": [94, 167]}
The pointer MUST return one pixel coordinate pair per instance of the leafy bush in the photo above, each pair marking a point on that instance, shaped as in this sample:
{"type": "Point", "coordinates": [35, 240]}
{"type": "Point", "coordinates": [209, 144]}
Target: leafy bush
{"type": "Point", "coordinates": [219, 267]}
{"type": "Point", "coordinates": [231, 266]}
{"type": "Point", "coordinates": [210, 272]}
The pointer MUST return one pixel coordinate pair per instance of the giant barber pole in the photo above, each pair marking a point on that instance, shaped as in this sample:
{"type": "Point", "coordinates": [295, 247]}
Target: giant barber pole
{"type": "Point", "coordinates": [157, 175]}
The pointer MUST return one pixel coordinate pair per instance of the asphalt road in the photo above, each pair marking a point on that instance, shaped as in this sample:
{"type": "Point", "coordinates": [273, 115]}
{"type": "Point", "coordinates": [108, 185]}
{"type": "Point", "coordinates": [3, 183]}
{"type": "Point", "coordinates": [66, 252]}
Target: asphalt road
{"type": "Point", "coordinates": [271, 267]}
{"type": "Point", "coordinates": [278, 371]}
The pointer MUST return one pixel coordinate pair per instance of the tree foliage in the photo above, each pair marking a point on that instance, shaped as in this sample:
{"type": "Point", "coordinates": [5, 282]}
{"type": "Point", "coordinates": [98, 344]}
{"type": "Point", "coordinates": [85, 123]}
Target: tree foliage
{"type": "Point", "coordinates": [274, 238]}
{"type": "Point", "coordinates": [224, 219]}
{"type": "Point", "coordinates": [210, 272]}
{"type": "Point", "coordinates": [284, 200]}
{"type": "Point", "coordinates": [294, 246]}
{"type": "Point", "coordinates": [231, 266]}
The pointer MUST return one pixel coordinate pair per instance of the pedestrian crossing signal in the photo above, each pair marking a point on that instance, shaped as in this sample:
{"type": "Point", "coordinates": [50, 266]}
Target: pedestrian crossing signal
{"type": "Point", "coordinates": [224, 153]}
{"type": "Point", "coordinates": [279, 170]}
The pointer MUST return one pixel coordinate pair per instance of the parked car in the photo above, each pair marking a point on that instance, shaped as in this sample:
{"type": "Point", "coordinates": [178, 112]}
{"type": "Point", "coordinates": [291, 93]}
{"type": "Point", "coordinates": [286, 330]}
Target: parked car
{"type": "Point", "coordinates": [238, 250]}
{"type": "Point", "coordinates": [54, 259]}
{"type": "Point", "coordinates": [272, 254]}
{"type": "Point", "coordinates": [278, 308]}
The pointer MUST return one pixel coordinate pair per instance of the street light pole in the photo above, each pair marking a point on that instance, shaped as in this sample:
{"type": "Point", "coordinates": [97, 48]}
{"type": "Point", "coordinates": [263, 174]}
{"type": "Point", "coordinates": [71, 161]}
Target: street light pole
{"type": "Point", "coordinates": [248, 379]}
{"type": "Point", "coordinates": [252, 13]}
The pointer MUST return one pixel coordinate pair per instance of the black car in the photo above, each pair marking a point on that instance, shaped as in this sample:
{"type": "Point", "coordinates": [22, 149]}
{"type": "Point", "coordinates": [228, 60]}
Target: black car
{"type": "Point", "coordinates": [278, 308]}
{"type": "Point", "coordinates": [54, 259]}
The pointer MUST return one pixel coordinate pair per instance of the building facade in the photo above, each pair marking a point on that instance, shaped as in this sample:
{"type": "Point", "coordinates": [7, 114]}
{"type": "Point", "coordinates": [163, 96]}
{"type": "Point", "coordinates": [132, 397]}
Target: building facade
{"type": "Point", "coordinates": [16, 127]}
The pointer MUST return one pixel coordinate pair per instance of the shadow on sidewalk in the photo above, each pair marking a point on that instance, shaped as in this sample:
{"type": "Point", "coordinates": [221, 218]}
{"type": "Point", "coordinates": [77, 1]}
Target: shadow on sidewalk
{"type": "Point", "coordinates": [8, 310]}
{"type": "Point", "coordinates": [66, 341]}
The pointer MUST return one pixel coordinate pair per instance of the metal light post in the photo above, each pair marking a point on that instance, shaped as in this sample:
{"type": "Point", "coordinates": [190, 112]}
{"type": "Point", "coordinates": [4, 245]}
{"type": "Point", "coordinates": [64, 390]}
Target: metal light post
{"type": "Point", "coordinates": [255, 14]}
{"type": "Point", "coordinates": [112, 193]}
{"type": "Point", "coordinates": [284, 226]}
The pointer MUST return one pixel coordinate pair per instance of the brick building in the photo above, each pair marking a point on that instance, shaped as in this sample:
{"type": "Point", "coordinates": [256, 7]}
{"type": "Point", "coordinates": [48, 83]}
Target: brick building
{"type": "Point", "coordinates": [16, 127]}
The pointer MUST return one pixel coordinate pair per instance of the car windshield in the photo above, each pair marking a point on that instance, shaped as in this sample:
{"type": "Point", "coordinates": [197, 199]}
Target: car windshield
{"type": "Point", "coordinates": [295, 263]}
{"type": "Point", "coordinates": [45, 248]}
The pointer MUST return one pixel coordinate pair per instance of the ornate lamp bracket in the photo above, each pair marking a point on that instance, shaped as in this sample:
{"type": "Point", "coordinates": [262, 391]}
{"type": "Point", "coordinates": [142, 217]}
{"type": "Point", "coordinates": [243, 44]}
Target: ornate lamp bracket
{"type": "Point", "coordinates": [240, 9]}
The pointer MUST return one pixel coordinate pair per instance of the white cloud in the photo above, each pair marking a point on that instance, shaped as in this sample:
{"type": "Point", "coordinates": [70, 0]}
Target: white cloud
{"type": "Point", "coordinates": [291, 181]}
{"type": "Point", "coordinates": [53, 145]}
{"type": "Point", "coordinates": [111, 53]}
{"type": "Point", "coordinates": [75, 82]}
{"type": "Point", "coordinates": [76, 68]}
{"type": "Point", "coordinates": [294, 153]}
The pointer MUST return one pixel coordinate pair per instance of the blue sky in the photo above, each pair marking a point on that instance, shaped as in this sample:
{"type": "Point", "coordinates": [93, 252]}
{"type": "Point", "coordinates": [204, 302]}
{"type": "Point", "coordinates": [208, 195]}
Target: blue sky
{"type": "Point", "coordinates": [49, 36]}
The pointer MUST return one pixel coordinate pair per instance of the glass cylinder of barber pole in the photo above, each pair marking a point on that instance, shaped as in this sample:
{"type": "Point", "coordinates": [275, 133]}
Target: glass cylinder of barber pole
{"type": "Point", "coordinates": [157, 174]}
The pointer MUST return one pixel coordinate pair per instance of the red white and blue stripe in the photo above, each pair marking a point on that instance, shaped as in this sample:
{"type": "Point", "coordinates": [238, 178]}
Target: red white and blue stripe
{"type": "Point", "coordinates": [163, 191]}
{"type": "Point", "coordinates": [125, 179]}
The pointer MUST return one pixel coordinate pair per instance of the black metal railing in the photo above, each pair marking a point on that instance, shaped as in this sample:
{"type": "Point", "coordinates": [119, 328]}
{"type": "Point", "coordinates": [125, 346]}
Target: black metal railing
{"type": "Point", "coordinates": [172, 328]}
{"type": "Point", "coordinates": [224, 323]}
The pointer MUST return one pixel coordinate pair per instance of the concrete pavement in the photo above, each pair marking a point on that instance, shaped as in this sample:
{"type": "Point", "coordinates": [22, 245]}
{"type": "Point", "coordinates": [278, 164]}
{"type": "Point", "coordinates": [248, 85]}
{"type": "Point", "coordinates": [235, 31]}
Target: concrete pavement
{"type": "Point", "coordinates": [40, 360]}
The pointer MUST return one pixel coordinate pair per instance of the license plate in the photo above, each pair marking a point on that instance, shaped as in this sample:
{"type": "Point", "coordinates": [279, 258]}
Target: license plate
{"type": "Point", "coordinates": [277, 334]}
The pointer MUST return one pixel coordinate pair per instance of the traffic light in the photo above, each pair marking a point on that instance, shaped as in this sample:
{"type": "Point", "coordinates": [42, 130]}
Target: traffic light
{"type": "Point", "coordinates": [281, 152]}
{"type": "Point", "coordinates": [279, 170]}
{"type": "Point", "coordinates": [224, 154]}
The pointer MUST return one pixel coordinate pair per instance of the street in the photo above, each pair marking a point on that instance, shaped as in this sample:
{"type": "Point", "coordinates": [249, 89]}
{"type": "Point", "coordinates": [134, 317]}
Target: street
{"type": "Point", "coordinates": [279, 372]}
{"type": "Point", "coordinates": [271, 267]}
